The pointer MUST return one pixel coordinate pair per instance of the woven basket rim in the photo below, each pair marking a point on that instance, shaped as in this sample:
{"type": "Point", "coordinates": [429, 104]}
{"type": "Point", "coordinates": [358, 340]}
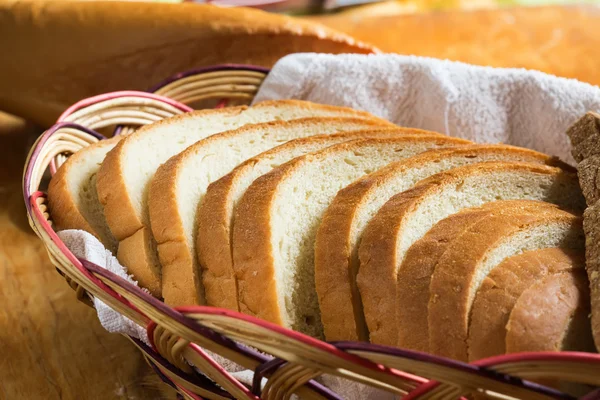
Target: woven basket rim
{"type": "Point", "coordinates": [210, 68]}
{"type": "Point", "coordinates": [122, 93]}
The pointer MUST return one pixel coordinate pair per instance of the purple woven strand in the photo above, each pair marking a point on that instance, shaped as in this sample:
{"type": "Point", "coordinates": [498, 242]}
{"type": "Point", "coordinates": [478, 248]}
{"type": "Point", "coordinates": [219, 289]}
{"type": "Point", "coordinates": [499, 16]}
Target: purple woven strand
{"type": "Point", "coordinates": [595, 395]}
{"type": "Point", "coordinates": [38, 148]}
{"type": "Point", "coordinates": [472, 369]}
{"type": "Point", "coordinates": [212, 68]}
{"type": "Point", "coordinates": [267, 369]}
{"type": "Point", "coordinates": [195, 326]}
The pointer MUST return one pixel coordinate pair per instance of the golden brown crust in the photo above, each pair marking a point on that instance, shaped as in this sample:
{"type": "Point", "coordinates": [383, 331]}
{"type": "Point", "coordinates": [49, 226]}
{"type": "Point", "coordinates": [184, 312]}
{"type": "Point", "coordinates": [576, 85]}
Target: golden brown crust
{"type": "Point", "coordinates": [451, 282]}
{"type": "Point", "coordinates": [550, 311]}
{"type": "Point", "coordinates": [252, 251]}
{"type": "Point", "coordinates": [125, 220]}
{"type": "Point", "coordinates": [414, 275]}
{"type": "Point", "coordinates": [377, 251]}
{"type": "Point", "coordinates": [180, 281]}
{"type": "Point", "coordinates": [214, 228]}
{"type": "Point", "coordinates": [213, 245]}
{"type": "Point", "coordinates": [501, 289]}
{"type": "Point", "coordinates": [62, 202]}
{"type": "Point", "coordinates": [120, 213]}
{"type": "Point", "coordinates": [176, 256]}
{"type": "Point", "coordinates": [138, 262]}
{"type": "Point", "coordinates": [336, 265]}
{"type": "Point", "coordinates": [63, 207]}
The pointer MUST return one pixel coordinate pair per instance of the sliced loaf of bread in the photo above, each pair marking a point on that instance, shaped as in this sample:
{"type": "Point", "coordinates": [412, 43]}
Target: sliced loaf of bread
{"type": "Point", "coordinates": [180, 184]}
{"type": "Point", "coordinates": [216, 215]}
{"type": "Point", "coordinates": [414, 274]}
{"type": "Point", "coordinates": [501, 289]}
{"type": "Point", "coordinates": [72, 196]}
{"type": "Point", "coordinates": [124, 178]}
{"type": "Point", "coordinates": [340, 232]}
{"type": "Point", "coordinates": [471, 256]}
{"type": "Point", "coordinates": [552, 315]}
{"type": "Point", "coordinates": [407, 216]}
{"type": "Point", "coordinates": [277, 219]}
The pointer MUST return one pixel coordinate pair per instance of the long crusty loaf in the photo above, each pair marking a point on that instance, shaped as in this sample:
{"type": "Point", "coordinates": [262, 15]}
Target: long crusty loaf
{"type": "Point", "coordinates": [180, 184]}
{"type": "Point", "coordinates": [72, 195]}
{"type": "Point", "coordinates": [552, 315]}
{"type": "Point", "coordinates": [125, 175]}
{"type": "Point", "coordinates": [407, 216]}
{"type": "Point", "coordinates": [414, 275]}
{"type": "Point", "coordinates": [472, 255]}
{"type": "Point", "coordinates": [340, 232]}
{"type": "Point", "coordinates": [277, 219]}
{"type": "Point", "coordinates": [217, 210]}
{"type": "Point", "coordinates": [501, 289]}
{"type": "Point", "coordinates": [585, 141]}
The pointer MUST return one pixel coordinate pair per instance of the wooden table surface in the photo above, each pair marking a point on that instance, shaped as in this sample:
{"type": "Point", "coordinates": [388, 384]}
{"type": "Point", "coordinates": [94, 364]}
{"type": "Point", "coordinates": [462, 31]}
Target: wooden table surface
{"type": "Point", "coordinates": [51, 345]}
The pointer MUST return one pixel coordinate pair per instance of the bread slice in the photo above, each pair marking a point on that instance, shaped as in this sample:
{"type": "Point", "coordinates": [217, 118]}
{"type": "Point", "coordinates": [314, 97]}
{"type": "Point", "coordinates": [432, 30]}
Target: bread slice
{"type": "Point", "coordinates": [585, 141]}
{"type": "Point", "coordinates": [472, 255]}
{"type": "Point", "coordinates": [407, 216]}
{"type": "Point", "coordinates": [340, 232]}
{"type": "Point", "coordinates": [414, 275]}
{"type": "Point", "coordinates": [125, 175]}
{"type": "Point", "coordinates": [552, 315]}
{"type": "Point", "coordinates": [277, 219]}
{"type": "Point", "coordinates": [72, 196]}
{"type": "Point", "coordinates": [180, 184]}
{"type": "Point", "coordinates": [501, 289]}
{"type": "Point", "coordinates": [217, 210]}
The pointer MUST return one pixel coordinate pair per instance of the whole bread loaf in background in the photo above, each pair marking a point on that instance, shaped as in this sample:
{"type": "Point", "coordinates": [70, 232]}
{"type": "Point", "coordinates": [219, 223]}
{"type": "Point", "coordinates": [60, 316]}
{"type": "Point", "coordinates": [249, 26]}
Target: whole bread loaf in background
{"type": "Point", "coordinates": [61, 52]}
{"type": "Point", "coordinates": [559, 40]}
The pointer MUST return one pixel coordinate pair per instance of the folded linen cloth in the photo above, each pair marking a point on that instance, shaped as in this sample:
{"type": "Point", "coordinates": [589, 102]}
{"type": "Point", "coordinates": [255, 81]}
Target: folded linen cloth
{"type": "Point", "coordinates": [483, 104]}
{"type": "Point", "coordinates": [84, 245]}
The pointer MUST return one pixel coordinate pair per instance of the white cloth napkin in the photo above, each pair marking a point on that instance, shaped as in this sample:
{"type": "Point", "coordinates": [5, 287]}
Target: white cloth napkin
{"type": "Point", "coordinates": [487, 105]}
{"type": "Point", "coordinates": [84, 245]}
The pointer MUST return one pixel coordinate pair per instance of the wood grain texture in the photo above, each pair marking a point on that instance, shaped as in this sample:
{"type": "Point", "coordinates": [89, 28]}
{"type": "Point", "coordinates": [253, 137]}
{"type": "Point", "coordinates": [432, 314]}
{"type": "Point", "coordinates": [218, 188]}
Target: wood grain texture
{"type": "Point", "coordinates": [52, 346]}
{"type": "Point", "coordinates": [553, 39]}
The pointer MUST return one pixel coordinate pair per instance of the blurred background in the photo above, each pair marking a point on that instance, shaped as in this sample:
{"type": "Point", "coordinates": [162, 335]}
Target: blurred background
{"type": "Point", "coordinates": [55, 53]}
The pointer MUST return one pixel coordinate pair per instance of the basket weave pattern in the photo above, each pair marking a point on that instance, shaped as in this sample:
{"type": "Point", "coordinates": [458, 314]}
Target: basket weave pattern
{"type": "Point", "coordinates": [289, 361]}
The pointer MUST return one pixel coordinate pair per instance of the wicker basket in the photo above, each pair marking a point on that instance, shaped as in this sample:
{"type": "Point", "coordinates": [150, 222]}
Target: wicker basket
{"type": "Point", "coordinates": [180, 336]}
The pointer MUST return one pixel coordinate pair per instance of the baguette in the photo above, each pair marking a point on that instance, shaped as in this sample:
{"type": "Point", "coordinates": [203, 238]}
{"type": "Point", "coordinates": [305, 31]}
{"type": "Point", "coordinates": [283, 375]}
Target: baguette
{"type": "Point", "coordinates": [180, 184]}
{"type": "Point", "coordinates": [217, 210]}
{"type": "Point", "coordinates": [125, 175]}
{"type": "Point", "coordinates": [472, 255]}
{"type": "Point", "coordinates": [502, 288]}
{"type": "Point", "coordinates": [277, 219]}
{"type": "Point", "coordinates": [340, 232]}
{"type": "Point", "coordinates": [407, 216]}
